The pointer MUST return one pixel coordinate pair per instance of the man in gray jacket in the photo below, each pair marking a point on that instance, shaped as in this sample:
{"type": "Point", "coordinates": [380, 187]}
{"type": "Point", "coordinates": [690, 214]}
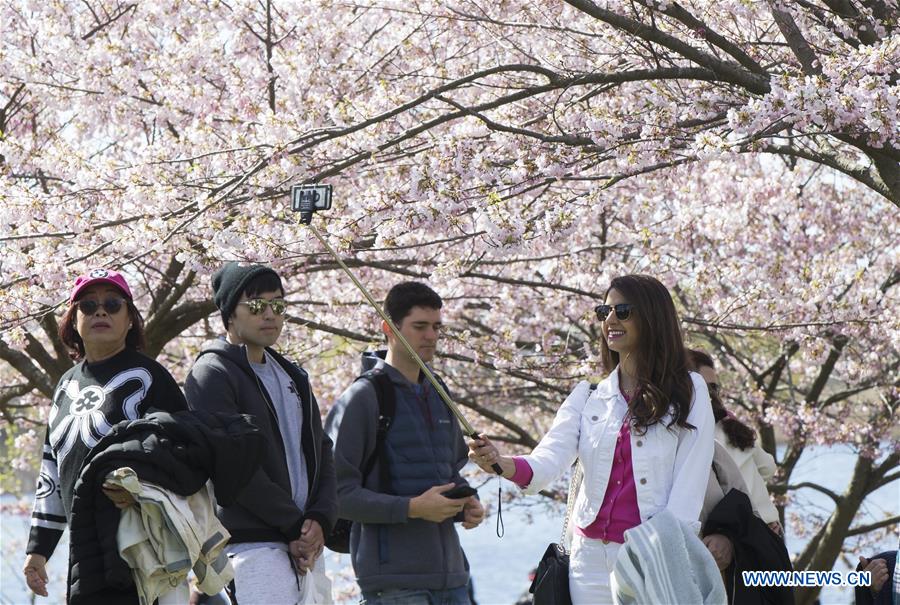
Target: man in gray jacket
{"type": "Point", "coordinates": [281, 518]}
{"type": "Point", "coordinates": [403, 543]}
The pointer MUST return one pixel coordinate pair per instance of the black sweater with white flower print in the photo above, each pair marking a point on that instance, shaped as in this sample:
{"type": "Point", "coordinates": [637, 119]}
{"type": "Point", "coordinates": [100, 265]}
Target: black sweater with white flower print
{"type": "Point", "coordinates": [89, 400]}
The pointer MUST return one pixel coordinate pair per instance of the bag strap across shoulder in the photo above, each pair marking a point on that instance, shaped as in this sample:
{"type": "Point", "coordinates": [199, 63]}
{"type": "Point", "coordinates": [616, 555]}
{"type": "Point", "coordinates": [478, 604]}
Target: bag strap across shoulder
{"type": "Point", "coordinates": [387, 408]}
{"type": "Point", "coordinates": [574, 486]}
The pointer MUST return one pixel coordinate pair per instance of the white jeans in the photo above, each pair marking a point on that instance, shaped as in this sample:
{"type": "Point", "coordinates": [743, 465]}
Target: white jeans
{"type": "Point", "coordinates": [590, 564]}
{"type": "Point", "coordinates": [264, 576]}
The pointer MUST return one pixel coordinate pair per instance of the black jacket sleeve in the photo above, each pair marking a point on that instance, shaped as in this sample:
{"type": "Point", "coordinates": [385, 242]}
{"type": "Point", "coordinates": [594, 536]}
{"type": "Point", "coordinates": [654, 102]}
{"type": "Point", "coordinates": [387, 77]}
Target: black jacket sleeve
{"type": "Point", "coordinates": [864, 595]}
{"type": "Point", "coordinates": [209, 387]}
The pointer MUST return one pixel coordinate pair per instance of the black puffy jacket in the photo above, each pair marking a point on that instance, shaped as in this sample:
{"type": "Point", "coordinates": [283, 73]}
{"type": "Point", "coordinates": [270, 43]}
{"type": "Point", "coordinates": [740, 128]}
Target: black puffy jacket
{"type": "Point", "coordinates": [756, 548]}
{"type": "Point", "coordinates": [178, 452]}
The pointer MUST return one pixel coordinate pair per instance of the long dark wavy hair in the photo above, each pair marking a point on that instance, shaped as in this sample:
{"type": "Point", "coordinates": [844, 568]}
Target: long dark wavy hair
{"type": "Point", "coordinates": [739, 434]}
{"type": "Point", "coordinates": [663, 374]}
{"type": "Point", "coordinates": [72, 339]}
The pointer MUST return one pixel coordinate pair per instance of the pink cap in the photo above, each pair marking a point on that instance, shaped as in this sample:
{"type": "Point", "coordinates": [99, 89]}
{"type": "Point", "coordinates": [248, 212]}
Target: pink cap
{"type": "Point", "coordinates": [100, 276]}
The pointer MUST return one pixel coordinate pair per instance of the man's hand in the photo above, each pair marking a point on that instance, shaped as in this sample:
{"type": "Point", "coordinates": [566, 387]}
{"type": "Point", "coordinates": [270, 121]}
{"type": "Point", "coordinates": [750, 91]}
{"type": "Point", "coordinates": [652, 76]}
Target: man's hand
{"type": "Point", "coordinates": [879, 570]}
{"type": "Point", "coordinates": [721, 549]}
{"type": "Point", "coordinates": [434, 507]}
{"type": "Point", "coordinates": [35, 569]}
{"type": "Point", "coordinates": [297, 556]}
{"type": "Point", "coordinates": [307, 548]}
{"type": "Point", "coordinates": [473, 512]}
{"type": "Point", "coordinates": [121, 497]}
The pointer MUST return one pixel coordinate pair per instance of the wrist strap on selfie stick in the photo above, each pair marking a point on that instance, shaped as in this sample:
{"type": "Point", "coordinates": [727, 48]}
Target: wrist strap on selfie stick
{"type": "Point", "coordinates": [445, 397]}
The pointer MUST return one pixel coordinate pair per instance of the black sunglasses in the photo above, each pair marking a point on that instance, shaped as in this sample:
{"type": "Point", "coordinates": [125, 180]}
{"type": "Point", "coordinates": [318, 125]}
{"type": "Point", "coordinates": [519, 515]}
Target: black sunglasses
{"type": "Point", "coordinates": [89, 306]}
{"type": "Point", "coordinates": [257, 306]}
{"type": "Point", "coordinates": [623, 311]}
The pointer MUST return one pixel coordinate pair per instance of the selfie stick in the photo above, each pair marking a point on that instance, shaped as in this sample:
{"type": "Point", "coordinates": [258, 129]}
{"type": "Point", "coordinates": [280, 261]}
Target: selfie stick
{"type": "Point", "coordinates": [306, 219]}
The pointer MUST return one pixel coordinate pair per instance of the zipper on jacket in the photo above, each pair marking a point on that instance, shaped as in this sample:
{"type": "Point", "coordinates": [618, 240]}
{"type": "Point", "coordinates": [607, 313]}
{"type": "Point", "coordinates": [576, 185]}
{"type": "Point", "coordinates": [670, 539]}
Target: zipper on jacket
{"type": "Point", "coordinates": [733, 580]}
{"type": "Point", "coordinates": [312, 438]}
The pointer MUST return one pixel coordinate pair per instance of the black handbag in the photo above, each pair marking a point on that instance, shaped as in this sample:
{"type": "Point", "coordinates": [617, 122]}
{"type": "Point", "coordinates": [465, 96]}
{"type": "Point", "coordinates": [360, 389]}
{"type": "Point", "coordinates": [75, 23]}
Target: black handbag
{"type": "Point", "coordinates": [551, 580]}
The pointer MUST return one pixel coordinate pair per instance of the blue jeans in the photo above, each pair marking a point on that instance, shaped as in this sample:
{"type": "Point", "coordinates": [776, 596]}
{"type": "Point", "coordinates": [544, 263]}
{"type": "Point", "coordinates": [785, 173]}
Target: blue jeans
{"type": "Point", "coordinates": [417, 596]}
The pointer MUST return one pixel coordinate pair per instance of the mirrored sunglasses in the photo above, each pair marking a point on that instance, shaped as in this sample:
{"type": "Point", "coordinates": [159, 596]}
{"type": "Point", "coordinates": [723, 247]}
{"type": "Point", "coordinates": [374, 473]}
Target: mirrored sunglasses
{"type": "Point", "coordinates": [257, 306]}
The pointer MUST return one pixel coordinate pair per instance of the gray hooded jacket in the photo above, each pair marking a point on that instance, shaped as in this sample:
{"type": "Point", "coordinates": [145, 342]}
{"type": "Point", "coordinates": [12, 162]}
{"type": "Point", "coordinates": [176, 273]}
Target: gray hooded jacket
{"type": "Point", "coordinates": [423, 448]}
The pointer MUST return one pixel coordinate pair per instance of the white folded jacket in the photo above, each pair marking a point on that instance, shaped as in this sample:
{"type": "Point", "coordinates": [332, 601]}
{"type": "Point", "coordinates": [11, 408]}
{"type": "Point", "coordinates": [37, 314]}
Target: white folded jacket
{"type": "Point", "coordinates": [166, 536]}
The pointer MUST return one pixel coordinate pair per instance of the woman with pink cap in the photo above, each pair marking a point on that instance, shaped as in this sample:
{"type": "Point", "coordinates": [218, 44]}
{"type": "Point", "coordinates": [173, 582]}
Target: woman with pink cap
{"type": "Point", "coordinates": [112, 382]}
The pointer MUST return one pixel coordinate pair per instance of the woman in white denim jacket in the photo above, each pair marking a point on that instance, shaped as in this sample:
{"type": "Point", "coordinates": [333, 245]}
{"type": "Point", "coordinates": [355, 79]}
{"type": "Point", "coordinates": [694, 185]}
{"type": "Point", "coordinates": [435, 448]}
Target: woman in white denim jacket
{"type": "Point", "coordinates": [644, 435]}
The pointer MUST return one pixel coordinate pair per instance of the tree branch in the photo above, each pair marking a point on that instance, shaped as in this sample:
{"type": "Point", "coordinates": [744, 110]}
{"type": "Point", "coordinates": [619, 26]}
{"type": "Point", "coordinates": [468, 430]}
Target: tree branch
{"type": "Point", "coordinates": [780, 489]}
{"type": "Point", "coordinates": [886, 480]}
{"type": "Point", "coordinates": [9, 393]}
{"type": "Point", "coordinates": [530, 283]}
{"type": "Point", "coordinates": [524, 437]}
{"type": "Point", "coordinates": [62, 362]}
{"type": "Point", "coordinates": [859, 174]}
{"type": "Point", "coordinates": [100, 25]}
{"type": "Point", "coordinates": [864, 529]}
{"type": "Point", "coordinates": [838, 344]}
{"type": "Point", "coordinates": [795, 40]}
{"type": "Point", "coordinates": [727, 72]}
{"type": "Point", "coordinates": [320, 327]}
{"type": "Point", "coordinates": [678, 12]}
{"type": "Point", "coordinates": [27, 368]}
{"type": "Point", "coordinates": [39, 354]}
{"type": "Point", "coordinates": [169, 326]}
{"type": "Point", "coordinates": [863, 28]}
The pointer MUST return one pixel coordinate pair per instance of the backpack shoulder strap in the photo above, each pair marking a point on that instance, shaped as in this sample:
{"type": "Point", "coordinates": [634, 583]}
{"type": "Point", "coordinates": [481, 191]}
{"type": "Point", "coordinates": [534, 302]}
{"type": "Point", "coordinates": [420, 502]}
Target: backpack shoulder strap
{"type": "Point", "coordinates": [387, 402]}
{"type": "Point", "coordinates": [387, 407]}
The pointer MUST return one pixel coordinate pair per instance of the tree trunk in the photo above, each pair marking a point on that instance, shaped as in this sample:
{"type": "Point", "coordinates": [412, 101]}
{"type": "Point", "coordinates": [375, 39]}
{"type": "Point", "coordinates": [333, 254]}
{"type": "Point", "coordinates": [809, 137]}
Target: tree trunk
{"type": "Point", "coordinates": [823, 550]}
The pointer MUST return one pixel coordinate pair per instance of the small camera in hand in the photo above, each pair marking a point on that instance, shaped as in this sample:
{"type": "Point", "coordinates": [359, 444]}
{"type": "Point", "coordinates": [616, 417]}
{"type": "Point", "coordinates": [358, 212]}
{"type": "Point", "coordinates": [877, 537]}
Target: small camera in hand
{"type": "Point", "coordinates": [309, 199]}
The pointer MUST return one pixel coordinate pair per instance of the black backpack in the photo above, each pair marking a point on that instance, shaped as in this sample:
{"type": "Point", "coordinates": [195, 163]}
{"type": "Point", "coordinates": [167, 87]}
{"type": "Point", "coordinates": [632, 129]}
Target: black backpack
{"type": "Point", "coordinates": [339, 540]}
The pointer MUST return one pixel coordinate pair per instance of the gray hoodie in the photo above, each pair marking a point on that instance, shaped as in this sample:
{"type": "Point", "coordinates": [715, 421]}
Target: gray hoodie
{"type": "Point", "coordinates": [424, 447]}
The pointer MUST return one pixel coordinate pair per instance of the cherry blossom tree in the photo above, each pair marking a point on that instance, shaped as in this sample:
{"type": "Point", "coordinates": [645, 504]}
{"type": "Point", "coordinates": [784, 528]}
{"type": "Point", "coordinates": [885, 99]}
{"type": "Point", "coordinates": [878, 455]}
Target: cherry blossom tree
{"type": "Point", "coordinates": [517, 157]}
